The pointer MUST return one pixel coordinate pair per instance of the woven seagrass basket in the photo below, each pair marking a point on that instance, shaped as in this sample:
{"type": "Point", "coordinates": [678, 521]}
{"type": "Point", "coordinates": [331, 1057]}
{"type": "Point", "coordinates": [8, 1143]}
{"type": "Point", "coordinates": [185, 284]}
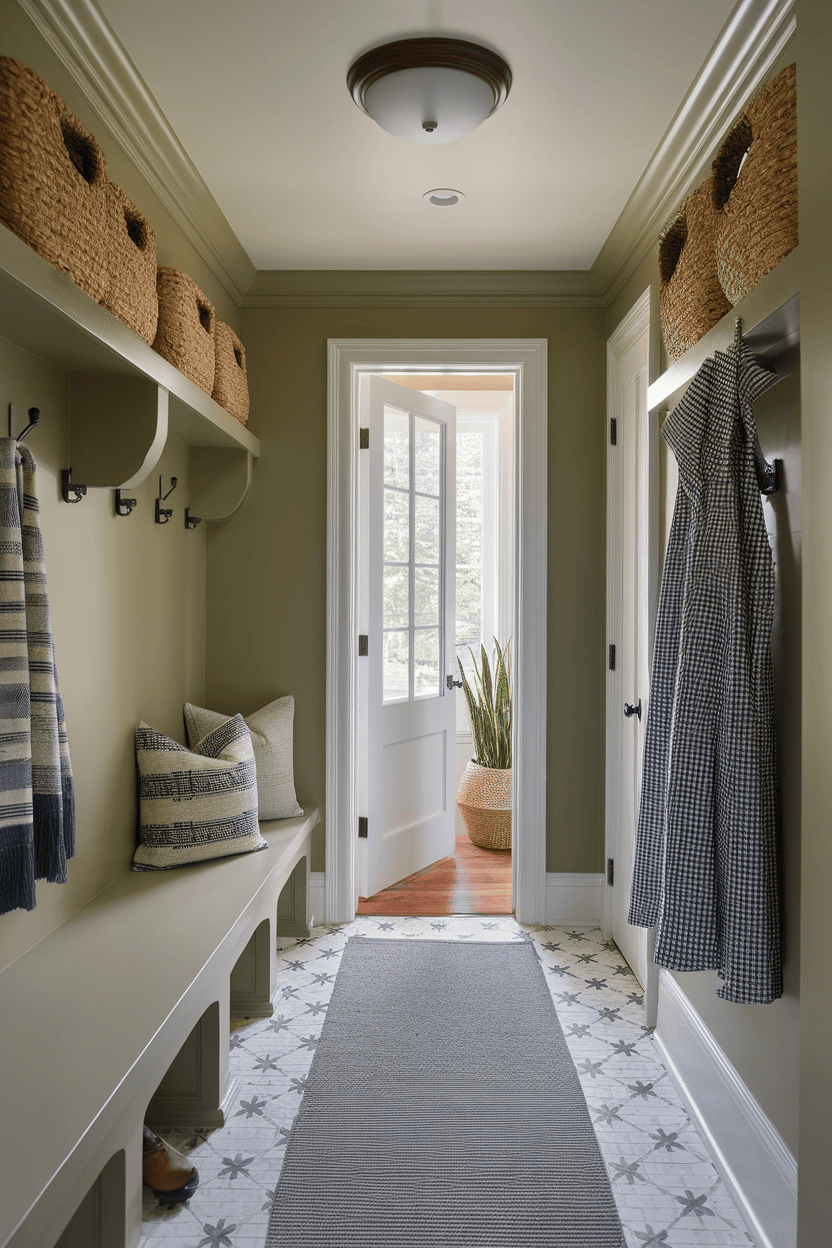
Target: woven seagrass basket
{"type": "Point", "coordinates": [185, 332]}
{"type": "Point", "coordinates": [484, 801]}
{"type": "Point", "coordinates": [131, 292]}
{"type": "Point", "coordinates": [230, 377]}
{"type": "Point", "coordinates": [756, 206]}
{"type": "Point", "coordinates": [53, 179]}
{"type": "Point", "coordinates": [690, 296]}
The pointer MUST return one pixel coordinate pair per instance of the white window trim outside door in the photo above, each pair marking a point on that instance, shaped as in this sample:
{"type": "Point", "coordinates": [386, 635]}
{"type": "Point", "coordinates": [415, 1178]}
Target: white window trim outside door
{"type": "Point", "coordinates": [527, 360]}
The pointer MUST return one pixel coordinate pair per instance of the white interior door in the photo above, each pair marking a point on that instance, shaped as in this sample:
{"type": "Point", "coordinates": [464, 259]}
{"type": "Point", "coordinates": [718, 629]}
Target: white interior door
{"type": "Point", "coordinates": [407, 715]}
{"type": "Point", "coordinates": [631, 500]}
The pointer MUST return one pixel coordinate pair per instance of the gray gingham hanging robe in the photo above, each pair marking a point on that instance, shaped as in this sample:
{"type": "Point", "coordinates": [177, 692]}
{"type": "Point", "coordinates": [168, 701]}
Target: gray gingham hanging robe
{"type": "Point", "coordinates": [706, 872]}
{"type": "Point", "coordinates": [37, 807]}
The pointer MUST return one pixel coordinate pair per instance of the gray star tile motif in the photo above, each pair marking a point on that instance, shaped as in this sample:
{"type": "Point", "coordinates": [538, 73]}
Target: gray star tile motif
{"type": "Point", "coordinates": [668, 1192]}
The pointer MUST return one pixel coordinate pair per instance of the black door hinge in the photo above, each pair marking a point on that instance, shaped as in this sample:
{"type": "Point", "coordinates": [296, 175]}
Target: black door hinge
{"type": "Point", "coordinates": [363, 645]}
{"type": "Point", "coordinates": [363, 439]}
{"type": "Point", "coordinates": [612, 658]}
{"type": "Point", "coordinates": [613, 431]}
{"type": "Point", "coordinates": [362, 826]}
{"type": "Point", "coordinates": [611, 871]}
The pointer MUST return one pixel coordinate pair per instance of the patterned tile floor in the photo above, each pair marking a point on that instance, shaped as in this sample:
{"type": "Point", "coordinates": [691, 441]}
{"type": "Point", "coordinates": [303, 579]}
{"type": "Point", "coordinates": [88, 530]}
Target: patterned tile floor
{"type": "Point", "coordinates": [668, 1192]}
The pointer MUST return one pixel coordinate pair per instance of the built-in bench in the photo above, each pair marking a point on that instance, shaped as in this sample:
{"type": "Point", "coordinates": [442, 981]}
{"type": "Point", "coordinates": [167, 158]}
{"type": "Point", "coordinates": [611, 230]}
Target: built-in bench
{"type": "Point", "coordinates": [121, 1016]}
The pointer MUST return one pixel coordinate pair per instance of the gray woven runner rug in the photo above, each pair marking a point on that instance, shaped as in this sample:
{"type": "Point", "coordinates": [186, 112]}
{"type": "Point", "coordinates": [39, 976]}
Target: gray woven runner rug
{"type": "Point", "coordinates": [442, 1108]}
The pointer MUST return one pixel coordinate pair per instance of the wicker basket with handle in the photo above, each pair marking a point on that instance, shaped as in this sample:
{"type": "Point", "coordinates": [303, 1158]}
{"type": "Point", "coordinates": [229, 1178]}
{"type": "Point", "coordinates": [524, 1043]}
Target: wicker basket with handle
{"type": "Point", "coordinates": [690, 296]}
{"type": "Point", "coordinates": [185, 332]}
{"type": "Point", "coordinates": [230, 377]}
{"type": "Point", "coordinates": [53, 179]}
{"type": "Point", "coordinates": [755, 188]}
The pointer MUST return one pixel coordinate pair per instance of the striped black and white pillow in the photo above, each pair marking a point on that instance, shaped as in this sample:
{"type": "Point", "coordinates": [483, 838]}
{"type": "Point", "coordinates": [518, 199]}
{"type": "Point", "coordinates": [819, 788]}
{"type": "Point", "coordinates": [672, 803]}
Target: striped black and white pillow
{"type": "Point", "coordinates": [196, 804]}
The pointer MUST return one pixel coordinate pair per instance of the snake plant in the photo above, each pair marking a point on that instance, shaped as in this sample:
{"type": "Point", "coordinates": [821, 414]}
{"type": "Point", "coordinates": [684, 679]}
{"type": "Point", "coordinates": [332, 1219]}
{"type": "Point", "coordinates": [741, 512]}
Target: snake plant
{"type": "Point", "coordinates": [489, 707]}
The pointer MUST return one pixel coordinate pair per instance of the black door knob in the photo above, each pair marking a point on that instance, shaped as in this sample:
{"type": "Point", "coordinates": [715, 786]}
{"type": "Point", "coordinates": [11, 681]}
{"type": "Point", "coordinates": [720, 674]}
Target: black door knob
{"type": "Point", "coordinates": [630, 710]}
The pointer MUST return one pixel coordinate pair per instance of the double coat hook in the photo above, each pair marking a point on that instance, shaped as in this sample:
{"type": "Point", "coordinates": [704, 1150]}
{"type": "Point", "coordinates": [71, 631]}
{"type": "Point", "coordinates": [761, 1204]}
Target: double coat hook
{"type": "Point", "coordinates": [163, 514]}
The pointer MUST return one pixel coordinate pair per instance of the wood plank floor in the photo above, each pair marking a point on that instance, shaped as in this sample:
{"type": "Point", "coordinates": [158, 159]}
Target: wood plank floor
{"type": "Point", "coordinates": [473, 881]}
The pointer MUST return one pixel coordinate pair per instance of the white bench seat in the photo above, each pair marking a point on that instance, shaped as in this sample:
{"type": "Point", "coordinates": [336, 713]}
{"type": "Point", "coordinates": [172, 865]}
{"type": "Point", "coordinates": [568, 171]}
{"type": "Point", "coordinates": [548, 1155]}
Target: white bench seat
{"type": "Point", "coordinates": [140, 980]}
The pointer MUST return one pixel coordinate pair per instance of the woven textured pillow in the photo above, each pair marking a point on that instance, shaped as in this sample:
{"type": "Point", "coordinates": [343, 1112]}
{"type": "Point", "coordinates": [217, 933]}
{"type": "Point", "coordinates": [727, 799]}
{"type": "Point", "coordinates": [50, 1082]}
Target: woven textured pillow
{"type": "Point", "coordinates": [271, 736]}
{"type": "Point", "coordinates": [196, 804]}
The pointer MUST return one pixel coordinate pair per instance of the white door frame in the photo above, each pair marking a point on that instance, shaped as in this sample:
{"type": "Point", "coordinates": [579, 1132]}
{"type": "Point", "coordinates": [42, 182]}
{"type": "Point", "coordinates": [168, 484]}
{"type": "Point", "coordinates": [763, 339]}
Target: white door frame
{"type": "Point", "coordinates": [527, 359]}
{"type": "Point", "coordinates": [635, 325]}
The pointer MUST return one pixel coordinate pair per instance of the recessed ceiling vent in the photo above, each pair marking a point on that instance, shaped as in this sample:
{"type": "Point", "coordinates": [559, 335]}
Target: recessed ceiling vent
{"type": "Point", "coordinates": [443, 197]}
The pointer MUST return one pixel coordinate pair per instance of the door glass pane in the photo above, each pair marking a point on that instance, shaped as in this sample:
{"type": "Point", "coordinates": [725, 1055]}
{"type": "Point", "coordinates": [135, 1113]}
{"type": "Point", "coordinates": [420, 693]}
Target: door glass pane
{"type": "Point", "coordinates": [397, 596]}
{"type": "Point", "coordinates": [427, 455]}
{"type": "Point", "coordinates": [427, 530]}
{"type": "Point", "coordinates": [396, 447]}
{"type": "Point", "coordinates": [395, 664]}
{"type": "Point", "coordinates": [426, 596]}
{"type": "Point", "coordinates": [397, 526]}
{"type": "Point", "coordinates": [426, 675]}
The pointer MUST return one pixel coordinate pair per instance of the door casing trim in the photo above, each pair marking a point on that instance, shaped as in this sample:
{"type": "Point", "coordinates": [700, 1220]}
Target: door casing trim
{"type": "Point", "coordinates": [527, 359]}
{"type": "Point", "coordinates": [636, 324]}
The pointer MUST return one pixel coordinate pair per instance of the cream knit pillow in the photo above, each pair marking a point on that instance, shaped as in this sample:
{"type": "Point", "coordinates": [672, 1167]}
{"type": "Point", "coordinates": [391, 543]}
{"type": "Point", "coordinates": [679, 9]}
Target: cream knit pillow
{"type": "Point", "coordinates": [271, 736]}
{"type": "Point", "coordinates": [196, 805]}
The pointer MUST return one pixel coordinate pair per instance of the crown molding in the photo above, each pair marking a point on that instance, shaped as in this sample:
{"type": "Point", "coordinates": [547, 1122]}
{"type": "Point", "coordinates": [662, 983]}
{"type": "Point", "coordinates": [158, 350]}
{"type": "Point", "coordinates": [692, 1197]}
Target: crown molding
{"type": "Point", "coordinates": [398, 288]}
{"type": "Point", "coordinates": [739, 63]}
{"type": "Point", "coordinates": [78, 34]}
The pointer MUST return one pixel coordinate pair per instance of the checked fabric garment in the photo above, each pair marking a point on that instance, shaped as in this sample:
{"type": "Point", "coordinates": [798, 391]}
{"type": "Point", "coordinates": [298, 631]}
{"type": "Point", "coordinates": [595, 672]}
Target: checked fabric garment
{"type": "Point", "coordinates": [706, 872]}
{"type": "Point", "coordinates": [37, 804]}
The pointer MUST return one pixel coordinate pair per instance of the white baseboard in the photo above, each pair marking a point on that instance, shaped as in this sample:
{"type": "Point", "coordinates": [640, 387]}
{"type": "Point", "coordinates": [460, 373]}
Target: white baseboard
{"type": "Point", "coordinates": [317, 895]}
{"type": "Point", "coordinates": [754, 1160]}
{"type": "Point", "coordinates": [575, 898]}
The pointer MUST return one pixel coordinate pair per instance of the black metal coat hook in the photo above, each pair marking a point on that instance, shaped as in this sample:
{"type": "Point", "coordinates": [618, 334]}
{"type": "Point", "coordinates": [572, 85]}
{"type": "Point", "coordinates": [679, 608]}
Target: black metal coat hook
{"type": "Point", "coordinates": [163, 514]}
{"type": "Point", "coordinates": [124, 505]}
{"type": "Point", "coordinates": [191, 521]}
{"type": "Point", "coordinates": [34, 417]}
{"type": "Point", "coordinates": [69, 487]}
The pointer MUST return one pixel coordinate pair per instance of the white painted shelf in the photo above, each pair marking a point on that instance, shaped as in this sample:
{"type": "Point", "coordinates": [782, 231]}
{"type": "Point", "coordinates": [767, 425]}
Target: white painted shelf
{"type": "Point", "coordinates": [126, 399]}
{"type": "Point", "coordinates": [770, 316]}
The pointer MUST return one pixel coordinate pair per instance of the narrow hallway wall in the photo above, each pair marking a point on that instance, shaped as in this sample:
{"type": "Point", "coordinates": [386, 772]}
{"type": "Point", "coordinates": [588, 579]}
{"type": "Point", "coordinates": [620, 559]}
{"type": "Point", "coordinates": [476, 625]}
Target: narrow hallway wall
{"type": "Point", "coordinates": [266, 590]}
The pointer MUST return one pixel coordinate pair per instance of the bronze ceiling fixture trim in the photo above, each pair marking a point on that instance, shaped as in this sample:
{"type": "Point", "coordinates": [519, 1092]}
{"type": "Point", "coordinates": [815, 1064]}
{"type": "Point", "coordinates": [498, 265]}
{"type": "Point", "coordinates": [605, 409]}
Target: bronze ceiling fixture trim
{"type": "Point", "coordinates": [429, 90]}
{"type": "Point", "coordinates": [429, 53]}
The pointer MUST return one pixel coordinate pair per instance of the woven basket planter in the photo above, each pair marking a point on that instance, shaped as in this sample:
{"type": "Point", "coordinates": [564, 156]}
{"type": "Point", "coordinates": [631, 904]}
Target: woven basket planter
{"type": "Point", "coordinates": [690, 295]}
{"type": "Point", "coordinates": [757, 206]}
{"type": "Point", "coordinates": [230, 377]}
{"type": "Point", "coordinates": [185, 331]}
{"type": "Point", "coordinates": [131, 291]}
{"type": "Point", "coordinates": [484, 801]}
{"type": "Point", "coordinates": [53, 179]}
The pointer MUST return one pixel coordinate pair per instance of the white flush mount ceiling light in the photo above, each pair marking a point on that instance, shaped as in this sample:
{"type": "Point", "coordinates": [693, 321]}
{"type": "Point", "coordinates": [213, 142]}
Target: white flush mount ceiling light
{"type": "Point", "coordinates": [443, 197]}
{"type": "Point", "coordinates": [429, 90]}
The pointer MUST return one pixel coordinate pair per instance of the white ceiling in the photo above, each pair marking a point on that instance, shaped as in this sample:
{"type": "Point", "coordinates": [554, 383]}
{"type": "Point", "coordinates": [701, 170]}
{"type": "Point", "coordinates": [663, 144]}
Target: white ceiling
{"type": "Point", "coordinates": [256, 92]}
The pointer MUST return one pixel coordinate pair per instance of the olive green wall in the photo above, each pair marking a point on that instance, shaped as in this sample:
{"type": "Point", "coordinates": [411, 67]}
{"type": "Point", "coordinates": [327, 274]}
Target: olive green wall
{"type": "Point", "coordinates": [815, 191]}
{"type": "Point", "coordinates": [266, 592]}
{"type": "Point", "coordinates": [127, 604]}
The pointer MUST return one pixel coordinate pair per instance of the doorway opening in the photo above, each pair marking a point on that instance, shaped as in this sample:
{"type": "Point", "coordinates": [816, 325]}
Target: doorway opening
{"type": "Point", "coordinates": [475, 876]}
{"type": "Point", "coordinates": [351, 362]}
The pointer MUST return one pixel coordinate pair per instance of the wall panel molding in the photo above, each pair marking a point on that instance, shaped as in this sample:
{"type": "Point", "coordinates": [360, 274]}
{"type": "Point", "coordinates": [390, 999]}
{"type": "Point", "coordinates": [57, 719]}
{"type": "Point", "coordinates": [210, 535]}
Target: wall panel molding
{"type": "Point", "coordinates": [755, 1162]}
{"type": "Point", "coordinates": [317, 896]}
{"type": "Point", "coordinates": [78, 34]}
{"type": "Point", "coordinates": [574, 898]}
